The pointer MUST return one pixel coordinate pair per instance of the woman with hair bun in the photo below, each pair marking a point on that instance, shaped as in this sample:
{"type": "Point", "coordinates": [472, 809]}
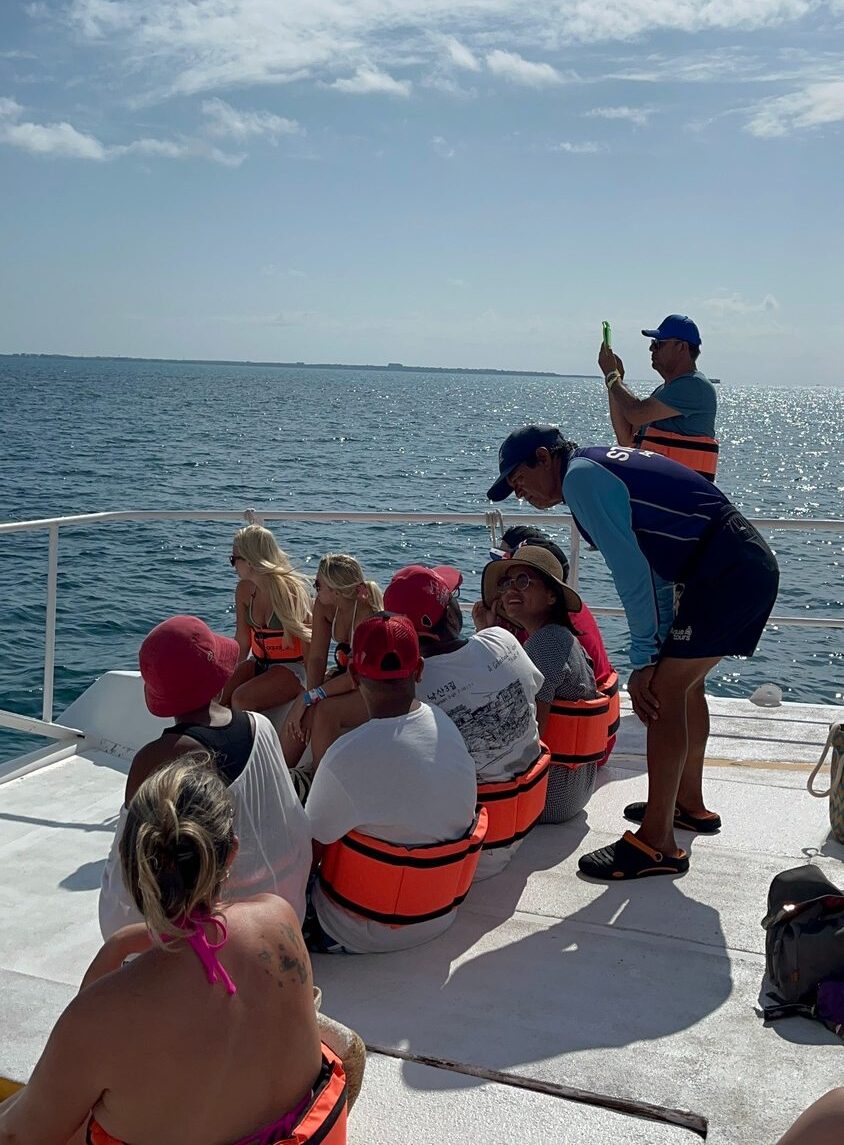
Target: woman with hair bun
{"type": "Point", "coordinates": [273, 624]}
{"type": "Point", "coordinates": [332, 705]}
{"type": "Point", "coordinates": [208, 1033]}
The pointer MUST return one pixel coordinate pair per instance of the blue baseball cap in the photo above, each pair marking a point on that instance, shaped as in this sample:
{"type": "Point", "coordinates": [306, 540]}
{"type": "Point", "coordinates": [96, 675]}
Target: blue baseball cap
{"type": "Point", "coordinates": [678, 326]}
{"type": "Point", "coordinates": [520, 446]}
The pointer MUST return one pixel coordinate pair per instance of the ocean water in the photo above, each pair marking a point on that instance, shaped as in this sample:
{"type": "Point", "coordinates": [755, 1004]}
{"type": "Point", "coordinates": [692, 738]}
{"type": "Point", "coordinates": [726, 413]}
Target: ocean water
{"type": "Point", "coordinates": [85, 436]}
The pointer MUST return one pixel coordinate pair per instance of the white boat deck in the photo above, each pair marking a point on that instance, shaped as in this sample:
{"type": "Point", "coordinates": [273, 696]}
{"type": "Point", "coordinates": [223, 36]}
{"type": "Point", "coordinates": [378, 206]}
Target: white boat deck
{"type": "Point", "coordinates": [641, 992]}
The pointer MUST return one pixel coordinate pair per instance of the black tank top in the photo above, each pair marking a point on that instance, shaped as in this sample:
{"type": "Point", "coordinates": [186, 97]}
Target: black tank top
{"type": "Point", "coordinates": [231, 745]}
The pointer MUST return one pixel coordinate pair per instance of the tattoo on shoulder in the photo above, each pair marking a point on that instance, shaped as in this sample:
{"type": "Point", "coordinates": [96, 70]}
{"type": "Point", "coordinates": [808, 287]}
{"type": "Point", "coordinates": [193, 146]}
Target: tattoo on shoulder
{"type": "Point", "coordinates": [291, 964]}
{"type": "Point", "coordinates": [291, 934]}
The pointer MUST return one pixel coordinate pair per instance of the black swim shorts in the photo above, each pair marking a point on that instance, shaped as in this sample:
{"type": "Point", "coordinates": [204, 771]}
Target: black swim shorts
{"type": "Point", "coordinates": [728, 594]}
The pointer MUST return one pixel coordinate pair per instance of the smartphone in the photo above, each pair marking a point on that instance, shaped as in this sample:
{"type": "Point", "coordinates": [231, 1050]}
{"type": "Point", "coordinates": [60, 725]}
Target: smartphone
{"type": "Point", "coordinates": [607, 335]}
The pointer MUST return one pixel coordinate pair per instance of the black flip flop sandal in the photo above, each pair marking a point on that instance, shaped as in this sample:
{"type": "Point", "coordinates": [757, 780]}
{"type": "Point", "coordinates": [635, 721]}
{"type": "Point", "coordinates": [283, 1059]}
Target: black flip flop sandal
{"type": "Point", "coordinates": [630, 858]}
{"type": "Point", "coordinates": [635, 812]}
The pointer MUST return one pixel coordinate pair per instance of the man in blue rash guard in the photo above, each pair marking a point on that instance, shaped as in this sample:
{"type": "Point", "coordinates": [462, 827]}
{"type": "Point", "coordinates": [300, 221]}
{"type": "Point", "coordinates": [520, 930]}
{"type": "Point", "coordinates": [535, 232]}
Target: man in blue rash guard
{"type": "Point", "coordinates": [657, 524]}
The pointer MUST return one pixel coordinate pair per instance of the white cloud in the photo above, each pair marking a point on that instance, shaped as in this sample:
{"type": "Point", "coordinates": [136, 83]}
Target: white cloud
{"type": "Point", "coordinates": [816, 105]}
{"type": "Point", "coordinates": [460, 55]}
{"type": "Point", "coordinates": [586, 148]}
{"type": "Point", "coordinates": [177, 149]}
{"type": "Point", "coordinates": [10, 108]}
{"type": "Point", "coordinates": [226, 122]}
{"type": "Point", "coordinates": [726, 303]}
{"type": "Point", "coordinates": [601, 20]}
{"type": "Point", "coordinates": [59, 139]}
{"type": "Point", "coordinates": [511, 66]}
{"type": "Point", "coordinates": [372, 81]}
{"type": "Point", "coordinates": [63, 141]}
{"type": "Point", "coordinates": [637, 115]}
{"type": "Point", "coordinates": [167, 47]}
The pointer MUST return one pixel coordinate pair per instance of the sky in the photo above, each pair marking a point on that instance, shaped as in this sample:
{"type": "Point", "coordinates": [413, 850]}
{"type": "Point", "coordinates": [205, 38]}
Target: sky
{"type": "Point", "coordinates": [465, 183]}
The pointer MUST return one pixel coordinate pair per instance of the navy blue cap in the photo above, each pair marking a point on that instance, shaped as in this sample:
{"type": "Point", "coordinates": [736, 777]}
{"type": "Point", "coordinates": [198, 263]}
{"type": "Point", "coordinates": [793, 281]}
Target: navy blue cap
{"type": "Point", "coordinates": [520, 446]}
{"type": "Point", "coordinates": [678, 326]}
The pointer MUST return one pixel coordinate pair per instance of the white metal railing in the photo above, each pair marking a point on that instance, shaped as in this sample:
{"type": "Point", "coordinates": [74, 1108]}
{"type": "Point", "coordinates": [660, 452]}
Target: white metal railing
{"type": "Point", "coordinates": [494, 521]}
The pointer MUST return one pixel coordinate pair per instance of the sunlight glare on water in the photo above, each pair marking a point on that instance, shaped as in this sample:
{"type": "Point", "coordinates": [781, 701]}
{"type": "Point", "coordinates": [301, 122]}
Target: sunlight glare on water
{"type": "Point", "coordinates": [95, 435]}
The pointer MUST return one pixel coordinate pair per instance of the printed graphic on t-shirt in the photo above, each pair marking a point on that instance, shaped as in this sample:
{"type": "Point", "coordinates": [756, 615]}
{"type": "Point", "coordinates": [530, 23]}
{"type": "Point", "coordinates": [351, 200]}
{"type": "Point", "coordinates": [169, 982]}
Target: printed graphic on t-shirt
{"type": "Point", "coordinates": [490, 729]}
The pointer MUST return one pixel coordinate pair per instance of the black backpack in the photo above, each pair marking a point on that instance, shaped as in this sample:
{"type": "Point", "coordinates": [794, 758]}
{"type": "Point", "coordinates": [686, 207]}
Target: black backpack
{"type": "Point", "coordinates": [804, 947]}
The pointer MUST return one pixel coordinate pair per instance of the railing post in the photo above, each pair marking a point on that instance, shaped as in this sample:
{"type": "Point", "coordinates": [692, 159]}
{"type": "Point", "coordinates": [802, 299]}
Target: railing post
{"type": "Point", "coordinates": [574, 557]}
{"type": "Point", "coordinates": [50, 634]}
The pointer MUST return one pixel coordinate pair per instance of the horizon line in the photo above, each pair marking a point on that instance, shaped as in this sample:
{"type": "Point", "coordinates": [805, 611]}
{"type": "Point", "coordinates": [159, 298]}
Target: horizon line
{"type": "Point", "coordinates": [396, 367]}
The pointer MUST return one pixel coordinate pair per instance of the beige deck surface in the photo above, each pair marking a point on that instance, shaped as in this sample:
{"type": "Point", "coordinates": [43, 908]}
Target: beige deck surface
{"type": "Point", "coordinates": [643, 991]}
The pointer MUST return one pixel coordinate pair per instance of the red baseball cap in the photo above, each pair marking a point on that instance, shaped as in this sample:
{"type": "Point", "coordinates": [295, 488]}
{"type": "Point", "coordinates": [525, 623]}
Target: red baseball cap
{"type": "Point", "coordinates": [184, 665]}
{"type": "Point", "coordinates": [422, 594]}
{"type": "Point", "coordinates": [385, 647]}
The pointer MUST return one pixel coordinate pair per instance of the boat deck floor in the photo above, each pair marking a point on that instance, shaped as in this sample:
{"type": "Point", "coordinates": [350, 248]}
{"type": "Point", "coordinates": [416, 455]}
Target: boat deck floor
{"type": "Point", "coordinates": [592, 999]}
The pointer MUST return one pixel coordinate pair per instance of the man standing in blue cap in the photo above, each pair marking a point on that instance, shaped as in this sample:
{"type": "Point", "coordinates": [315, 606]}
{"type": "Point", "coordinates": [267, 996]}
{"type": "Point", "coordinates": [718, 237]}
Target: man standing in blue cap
{"type": "Point", "coordinates": [657, 524]}
{"type": "Point", "coordinates": [678, 419]}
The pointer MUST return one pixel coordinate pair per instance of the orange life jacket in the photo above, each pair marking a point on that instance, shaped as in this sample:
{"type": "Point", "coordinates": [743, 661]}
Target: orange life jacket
{"type": "Point", "coordinates": [608, 687]}
{"type": "Point", "coordinates": [322, 1123]}
{"type": "Point", "coordinates": [268, 645]}
{"type": "Point", "coordinates": [699, 453]}
{"type": "Point", "coordinates": [576, 732]}
{"type": "Point", "coordinates": [399, 885]}
{"type": "Point", "coordinates": [514, 805]}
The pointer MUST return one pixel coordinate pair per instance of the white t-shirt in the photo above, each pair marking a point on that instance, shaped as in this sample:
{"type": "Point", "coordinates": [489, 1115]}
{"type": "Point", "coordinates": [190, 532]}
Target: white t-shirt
{"type": "Point", "coordinates": [408, 779]}
{"type": "Point", "coordinates": [272, 828]}
{"type": "Point", "coordinates": [488, 688]}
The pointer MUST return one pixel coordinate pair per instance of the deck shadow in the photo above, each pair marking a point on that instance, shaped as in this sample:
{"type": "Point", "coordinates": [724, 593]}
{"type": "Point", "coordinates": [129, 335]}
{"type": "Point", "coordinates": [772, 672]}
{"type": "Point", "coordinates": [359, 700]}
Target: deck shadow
{"type": "Point", "coordinates": [509, 993]}
{"type": "Point", "coordinates": [87, 877]}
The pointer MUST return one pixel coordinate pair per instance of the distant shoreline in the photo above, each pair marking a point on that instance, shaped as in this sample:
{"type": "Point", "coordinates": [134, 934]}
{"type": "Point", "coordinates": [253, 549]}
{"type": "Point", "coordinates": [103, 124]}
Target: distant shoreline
{"type": "Point", "coordinates": [391, 367]}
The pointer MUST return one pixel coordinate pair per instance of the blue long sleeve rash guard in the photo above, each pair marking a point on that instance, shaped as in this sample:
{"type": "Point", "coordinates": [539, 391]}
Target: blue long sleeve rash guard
{"type": "Point", "coordinates": [648, 516]}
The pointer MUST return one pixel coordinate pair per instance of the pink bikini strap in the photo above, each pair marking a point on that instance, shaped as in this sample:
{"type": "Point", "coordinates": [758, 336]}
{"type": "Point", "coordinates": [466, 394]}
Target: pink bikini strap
{"type": "Point", "coordinates": [206, 951]}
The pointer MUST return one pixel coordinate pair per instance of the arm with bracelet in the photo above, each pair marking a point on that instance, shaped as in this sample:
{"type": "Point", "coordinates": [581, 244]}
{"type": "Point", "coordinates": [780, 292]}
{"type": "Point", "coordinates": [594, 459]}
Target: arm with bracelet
{"type": "Point", "coordinates": [627, 412]}
{"type": "Point", "coordinates": [612, 368]}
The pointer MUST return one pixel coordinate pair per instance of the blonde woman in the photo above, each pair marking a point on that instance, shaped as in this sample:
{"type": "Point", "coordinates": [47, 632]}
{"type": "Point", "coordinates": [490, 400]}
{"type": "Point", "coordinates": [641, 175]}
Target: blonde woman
{"type": "Point", "coordinates": [223, 991]}
{"type": "Point", "coordinates": [332, 705]}
{"type": "Point", "coordinates": [273, 616]}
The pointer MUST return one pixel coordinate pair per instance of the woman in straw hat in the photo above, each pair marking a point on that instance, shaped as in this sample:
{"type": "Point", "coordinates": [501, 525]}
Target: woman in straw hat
{"type": "Point", "coordinates": [530, 590]}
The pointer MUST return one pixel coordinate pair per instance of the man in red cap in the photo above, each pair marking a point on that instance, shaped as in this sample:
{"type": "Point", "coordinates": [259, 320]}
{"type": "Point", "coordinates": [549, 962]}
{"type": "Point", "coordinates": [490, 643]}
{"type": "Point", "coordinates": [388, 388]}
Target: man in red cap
{"type": "Point", "coordinates": [486, 683]}
{"type": "Point", "coordinates": [184, 667]}
{"type": "Point", "coordinates": [404, 778]}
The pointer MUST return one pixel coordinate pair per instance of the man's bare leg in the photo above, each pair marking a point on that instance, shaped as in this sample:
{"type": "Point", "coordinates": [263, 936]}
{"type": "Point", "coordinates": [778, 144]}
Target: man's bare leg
{"type": "Point", "coordinates": [690, 791]}
{"type": "Point", "coordinates": [668, 746]}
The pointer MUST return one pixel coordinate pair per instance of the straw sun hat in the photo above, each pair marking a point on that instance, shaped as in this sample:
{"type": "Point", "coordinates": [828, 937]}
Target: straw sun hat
{"type": "Point", "coordinates": [533, 557]}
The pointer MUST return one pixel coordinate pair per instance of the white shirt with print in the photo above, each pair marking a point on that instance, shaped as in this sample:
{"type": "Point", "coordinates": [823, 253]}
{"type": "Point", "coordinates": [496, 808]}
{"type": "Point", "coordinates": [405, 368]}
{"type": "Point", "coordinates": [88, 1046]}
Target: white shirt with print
{"type": "Point", "coordinates": [488, 688]}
